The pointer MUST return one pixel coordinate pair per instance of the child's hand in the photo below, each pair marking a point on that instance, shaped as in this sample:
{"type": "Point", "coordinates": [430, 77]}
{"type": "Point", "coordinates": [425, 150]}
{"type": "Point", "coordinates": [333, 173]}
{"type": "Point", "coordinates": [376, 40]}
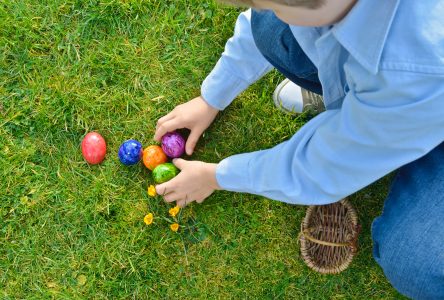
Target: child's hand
{"type": "Point", "coordinates": [195, 115]}
{"type": "Point", "coordinates": [195, 182]}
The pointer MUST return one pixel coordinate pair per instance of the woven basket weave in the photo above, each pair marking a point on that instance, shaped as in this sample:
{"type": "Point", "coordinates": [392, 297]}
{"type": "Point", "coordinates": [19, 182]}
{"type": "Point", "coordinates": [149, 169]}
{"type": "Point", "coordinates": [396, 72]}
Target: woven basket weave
{"type": "Point", "coordinates": [329, 236]}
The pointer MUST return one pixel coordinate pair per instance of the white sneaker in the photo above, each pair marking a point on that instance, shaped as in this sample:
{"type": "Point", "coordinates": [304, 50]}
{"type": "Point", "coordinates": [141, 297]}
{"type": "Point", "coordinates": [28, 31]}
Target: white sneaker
{"type": "Point", "coordinates": [291, 98]}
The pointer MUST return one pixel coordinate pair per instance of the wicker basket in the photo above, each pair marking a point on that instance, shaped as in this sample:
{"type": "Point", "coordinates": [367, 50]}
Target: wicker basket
{"type": "Point", "coordinates": [328, 237]}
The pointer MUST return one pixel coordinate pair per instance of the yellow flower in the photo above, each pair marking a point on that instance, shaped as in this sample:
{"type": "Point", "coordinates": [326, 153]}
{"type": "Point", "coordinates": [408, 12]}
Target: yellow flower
{"type": "Point", "coordinates": [148, 219]}
{"type": "Point", "coordinates": [174, 227]}
{"type": "Point", "coordinates": [152, 191]}
{"type": "Point", "coordinates": [174, 211]}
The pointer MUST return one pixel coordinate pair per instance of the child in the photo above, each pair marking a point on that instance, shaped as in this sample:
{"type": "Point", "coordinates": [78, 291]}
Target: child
{"type": "Point", "coordinates": [379, 65]}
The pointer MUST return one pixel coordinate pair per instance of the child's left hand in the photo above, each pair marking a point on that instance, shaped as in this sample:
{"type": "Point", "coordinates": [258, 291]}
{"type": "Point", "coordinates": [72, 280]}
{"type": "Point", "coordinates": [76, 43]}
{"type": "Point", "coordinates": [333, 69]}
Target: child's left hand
{"type": "Point", "coordinates": [195, 182]}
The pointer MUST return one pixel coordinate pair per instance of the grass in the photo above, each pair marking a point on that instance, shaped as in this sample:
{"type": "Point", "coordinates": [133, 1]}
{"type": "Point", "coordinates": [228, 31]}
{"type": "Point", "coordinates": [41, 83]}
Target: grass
{"type": "Point", "coordinates": [74, 231]}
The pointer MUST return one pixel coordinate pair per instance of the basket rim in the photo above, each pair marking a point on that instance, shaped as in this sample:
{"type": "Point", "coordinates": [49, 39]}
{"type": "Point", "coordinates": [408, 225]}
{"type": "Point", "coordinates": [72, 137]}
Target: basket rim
{"type": "Point", "coordinates": [306, 239]}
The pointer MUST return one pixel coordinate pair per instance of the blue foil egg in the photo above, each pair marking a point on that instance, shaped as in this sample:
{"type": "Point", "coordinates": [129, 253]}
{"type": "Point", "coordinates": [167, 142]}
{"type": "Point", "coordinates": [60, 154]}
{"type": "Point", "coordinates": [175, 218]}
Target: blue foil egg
{"type": "Point", "coordinates": [130, 152]}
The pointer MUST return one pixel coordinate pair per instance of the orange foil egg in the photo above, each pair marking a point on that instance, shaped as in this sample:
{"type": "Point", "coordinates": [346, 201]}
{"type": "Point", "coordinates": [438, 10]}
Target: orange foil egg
{"type": "Point", "coordinates": [153, 156]}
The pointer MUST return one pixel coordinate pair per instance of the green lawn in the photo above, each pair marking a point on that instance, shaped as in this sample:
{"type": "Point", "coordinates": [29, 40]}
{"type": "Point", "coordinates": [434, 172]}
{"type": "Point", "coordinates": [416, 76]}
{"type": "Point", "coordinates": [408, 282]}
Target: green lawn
{"type": "Point", "coordinates": [74, 231]}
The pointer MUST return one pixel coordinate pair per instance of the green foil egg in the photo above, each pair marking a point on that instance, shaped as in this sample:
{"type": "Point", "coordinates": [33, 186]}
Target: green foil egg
{"type": "Point", "coordinates": [164, 172]}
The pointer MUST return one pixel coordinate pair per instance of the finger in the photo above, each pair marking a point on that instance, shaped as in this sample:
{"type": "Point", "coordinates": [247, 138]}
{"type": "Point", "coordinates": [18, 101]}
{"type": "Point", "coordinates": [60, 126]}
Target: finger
{"type": "Point", "coordinates": [181, 203]}
{"type": "Point", "coordinates": [184, 202]}
{"type": "Point", "coordinates": [165, 118]}
{"type": "Point", "coordinates": [202, 197]}
{"type": "Point", "coordinates": [192, 141]}
{"type": "Point", "coordinates": [179, 163]}
{"type": "Point", "coordinates": [165, 127]}
{"type": "Point", "coordinates": [161, 189]}
{"type": "Point", "coordinates": [173, 196]}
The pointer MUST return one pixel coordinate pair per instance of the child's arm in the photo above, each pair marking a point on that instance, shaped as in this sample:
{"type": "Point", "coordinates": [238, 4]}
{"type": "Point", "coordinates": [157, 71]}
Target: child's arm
{"type": "Point", "coordinates": [386, 121]}
{"type": "Point", "coordinates": [240, 65]}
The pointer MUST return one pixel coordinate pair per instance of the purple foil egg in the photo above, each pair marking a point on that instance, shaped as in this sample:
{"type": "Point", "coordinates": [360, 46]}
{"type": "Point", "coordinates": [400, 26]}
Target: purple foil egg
{"type": "Point", "coordinates": [173, 144]}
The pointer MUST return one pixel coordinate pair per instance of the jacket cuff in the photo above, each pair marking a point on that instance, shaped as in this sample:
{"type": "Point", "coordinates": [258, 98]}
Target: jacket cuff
{"type": "Point", "coordinates": [233, 173]}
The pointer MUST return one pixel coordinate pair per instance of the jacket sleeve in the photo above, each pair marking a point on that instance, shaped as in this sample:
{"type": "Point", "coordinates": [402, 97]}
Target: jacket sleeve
{"type": "Point", "coordinates": [385, 122]}
{"type": "Point", "coordinates": [240, 65]}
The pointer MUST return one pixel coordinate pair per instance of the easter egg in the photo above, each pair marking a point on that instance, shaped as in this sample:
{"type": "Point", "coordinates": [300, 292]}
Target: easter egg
{"type": "Point", "coordinates": [130, 152]}
{"type": "Point", "coordinates": [164, 172]}
{"type": "Point", "coordinates": [173, 144]}
{"type": "Point", "coordinates": [153, 156]}
{"type": "Point", "coordinates": [93, 148]}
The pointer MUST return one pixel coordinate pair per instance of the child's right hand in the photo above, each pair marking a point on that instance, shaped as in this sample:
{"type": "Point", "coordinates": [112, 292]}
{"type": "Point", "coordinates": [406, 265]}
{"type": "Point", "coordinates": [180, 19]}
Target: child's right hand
{"type": "Point", "coordinates": [196, 115]}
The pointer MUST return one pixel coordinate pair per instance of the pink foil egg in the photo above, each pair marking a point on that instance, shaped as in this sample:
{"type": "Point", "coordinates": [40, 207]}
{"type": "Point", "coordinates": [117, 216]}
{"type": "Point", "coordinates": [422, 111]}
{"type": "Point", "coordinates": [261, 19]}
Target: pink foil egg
{"type": "Point", "coordinates": [173, 144]}
{"type": "Point", "coordinates": [93, 148]}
